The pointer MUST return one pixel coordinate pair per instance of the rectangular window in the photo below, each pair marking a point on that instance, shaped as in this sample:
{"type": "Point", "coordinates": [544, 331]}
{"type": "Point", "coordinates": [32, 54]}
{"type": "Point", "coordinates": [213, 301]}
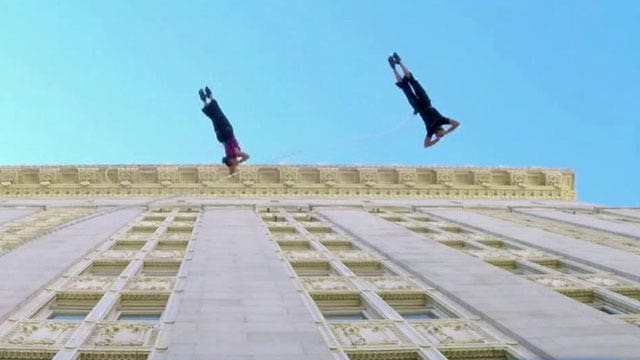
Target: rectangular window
{"type": "Point", "coordinates": [139, 308]}
{"type": "Point", "coordinates": [368, 268]}
{"type": "Point", "coordinates": [347, 316]}
{"type": "Point", "coordinates": [564, 267]}
{"type": "Point", "coordinates": [172, 245]}
{"type": "Point", "coordinates": [422, 314]}
{"type": "Point", "coordinates": [343, 307]}
{"type": "Point", "coordinates": [455, 230]}
{"type": "Point", "coordinates": [67, 316]}
{"type": "Point", "coordinates": [137, 317]}
{"type": "Point", "coordinates": [313, 269]}
{"type": "Point", "coordinates": [416, 306]}
{"type": "Point", "coordinates": [605, 303]}
{"type": "Point", "coordinates": [515, 267]}
{"type": "Point", "coordinates": [160, 268]}
{"type": "Point", "coordinates": [68, 306]}
{"type": "Point", "coordinates": [339, 245]}
{"type": "Point", "coordinates": [128, 245]}
{"type": "Point", "coordinates": [295, 245]}
{"type": "Point", "coordinates": [106, 268]}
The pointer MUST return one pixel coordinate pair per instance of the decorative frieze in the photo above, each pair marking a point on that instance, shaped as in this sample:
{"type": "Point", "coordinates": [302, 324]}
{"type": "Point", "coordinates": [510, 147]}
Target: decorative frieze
{"type": "Point", "coordinates": [289, 176]}
{"type": "Point", "coordinates": [150, 284]}
{"type": "Point", "coordinates": [301, 256]}
{"type": "Point", "coordinates": [39, 333]}
{"type": "Point", "coordinates": [16, 232]}
{"type": "Point", "coordinates": [9, 176]}
{"type": "Point", "coordinates": [286, 181]}
{"type": "Point", "coordinates": [369, 334]}
{"type": "Point", "coordinates": [48, 176]}
{"type": "Point", "coordinates": [452, 332]}
{"type": "Point", "coordinates": [391, 283]}
{"type": "Point", "coordinates": [327, 284]}
{"type": "Point", "coordinates": [609, 281]}
{"type": "Point", "coordinates": [123, 334]}
{"type": "Point", "coordinates": [407, 177]}
{"type": "Point", "coordinates": [89, 283]}
{"type": "Point", "coordinates": [354, 256]}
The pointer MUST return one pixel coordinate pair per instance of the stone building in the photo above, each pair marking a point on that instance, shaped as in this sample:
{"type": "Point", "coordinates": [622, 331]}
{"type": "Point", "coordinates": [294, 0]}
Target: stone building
{"type": "Point", "coordinates": [397, 263]}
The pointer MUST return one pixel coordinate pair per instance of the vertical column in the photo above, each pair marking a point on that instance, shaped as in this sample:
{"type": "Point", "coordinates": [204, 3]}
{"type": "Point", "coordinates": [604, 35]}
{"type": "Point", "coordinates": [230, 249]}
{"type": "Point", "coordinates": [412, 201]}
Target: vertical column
{"type": "Point", "coordinates": [238, 300]}
{"type": "Point", "coordinates": [588, 221]}
{"type": "Point", "coordinates": [604, 257]}
{"type": "Point", "coordinates": [548, 323]}
{"type": "Point", "coordinates": [32, 265]}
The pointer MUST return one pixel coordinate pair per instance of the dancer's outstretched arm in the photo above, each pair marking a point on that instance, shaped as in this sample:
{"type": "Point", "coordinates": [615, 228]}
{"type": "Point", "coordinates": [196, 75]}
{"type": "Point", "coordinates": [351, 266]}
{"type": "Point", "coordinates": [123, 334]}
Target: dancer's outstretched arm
{"type": "Point", "coordinates": [454, 125]}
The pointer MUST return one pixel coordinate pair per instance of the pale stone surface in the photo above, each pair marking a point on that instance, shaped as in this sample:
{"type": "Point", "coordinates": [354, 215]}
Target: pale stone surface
{"type": "Point", "coordinates": [40, 260]}
{"type": "Point", "coordinates": [10, 213]}
{"type": "Point", "coordinates": [551, 324]}
{"type": "Point", "coordinates": [604, 257]}
{"type": "Point", "coordinates": [583, 220]}
{"type": "Point", "coordinates": [633, 213]}
{"type": "Point", "coordinates": [238, 300]}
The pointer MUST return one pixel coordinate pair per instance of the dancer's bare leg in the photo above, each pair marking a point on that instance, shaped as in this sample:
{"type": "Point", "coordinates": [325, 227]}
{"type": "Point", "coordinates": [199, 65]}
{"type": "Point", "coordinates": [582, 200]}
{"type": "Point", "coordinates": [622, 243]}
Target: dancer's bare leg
{"type": "Point", "coordinates": [397, 75]}
{"type": "Point", "coordinates": [405, 70]}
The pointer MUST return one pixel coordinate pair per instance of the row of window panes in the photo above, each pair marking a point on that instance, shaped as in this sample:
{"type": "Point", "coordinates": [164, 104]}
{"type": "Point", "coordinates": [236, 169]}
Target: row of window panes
{"type": "Point", "coordinates": [64, 308]}
{"type": "Point", "coordinates": [166, 268]}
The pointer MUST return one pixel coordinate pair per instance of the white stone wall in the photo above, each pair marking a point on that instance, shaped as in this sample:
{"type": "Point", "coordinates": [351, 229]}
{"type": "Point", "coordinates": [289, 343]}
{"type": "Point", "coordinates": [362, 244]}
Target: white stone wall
{"type": "Point", "coordinates": [261, 278]}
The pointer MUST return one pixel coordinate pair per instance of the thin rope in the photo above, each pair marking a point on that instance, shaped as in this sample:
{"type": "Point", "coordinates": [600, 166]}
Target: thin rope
{"type": "Point", "coordinates": [352, 141]}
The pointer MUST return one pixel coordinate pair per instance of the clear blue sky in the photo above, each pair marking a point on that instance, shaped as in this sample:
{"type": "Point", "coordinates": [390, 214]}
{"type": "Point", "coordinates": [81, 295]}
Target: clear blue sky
{"type": "Point", "coordinates": [533, 83]}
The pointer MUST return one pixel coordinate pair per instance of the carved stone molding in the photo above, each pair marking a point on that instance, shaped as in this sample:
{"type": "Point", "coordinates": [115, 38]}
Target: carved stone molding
{"type": "Point", "coordinates": [355, 256]}
{"type": "Point", "coordinates": [304, 256]}
{"type": "Point", "coordinates": [324, 283]}
{"type": "Point", "coordinates": [452, 333]}
{"type": "Point", "coordinates": [391, 283]}
{"type": "Point", "coordinates": [125, 334]}
{"type": "Point", "coordinates": [556, 281]}
{"type": "Point", "coordinates": [287, 181]}
{"type": "Point", "coordinates": [39, 333]}
{"type": "Point", "coordinates": [89, 283]}
{"type": "Point", "coordinates": [384, 355]}
{"type": "Point", "coordinates": [369, 334]}
{"type": "Point", "coordinates": [289, 176]}
{"type": "Point", "coordinates": [113, 355]}
{"type": "Point", "coordinates": [151, 284]}
{"type": "Point", "coordinates": [609, 281]}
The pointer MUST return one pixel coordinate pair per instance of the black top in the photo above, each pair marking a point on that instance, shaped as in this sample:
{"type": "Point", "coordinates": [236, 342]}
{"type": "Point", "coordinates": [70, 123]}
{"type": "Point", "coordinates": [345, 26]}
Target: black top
{"type": "Point", "coordinates": [221, 125]}
{"type": "Point", "coordinates": [432, 119]}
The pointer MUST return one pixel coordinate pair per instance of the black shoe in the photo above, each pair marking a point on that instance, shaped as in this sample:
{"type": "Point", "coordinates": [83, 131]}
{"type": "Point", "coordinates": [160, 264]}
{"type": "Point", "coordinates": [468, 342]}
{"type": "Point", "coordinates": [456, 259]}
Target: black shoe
{"type": "Point", "coordinates": [392, 63]}
{"type": "Point", "coordinates": [208, 92]}
{"type": "Point", "coordinates": [202, 96]}
{"type": "Point", "coordinates": [396, 58]}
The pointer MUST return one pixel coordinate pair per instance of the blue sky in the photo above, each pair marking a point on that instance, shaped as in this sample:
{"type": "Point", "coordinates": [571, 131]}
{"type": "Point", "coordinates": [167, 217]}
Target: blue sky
{"type": "Point", "coordinates": [533, 83]}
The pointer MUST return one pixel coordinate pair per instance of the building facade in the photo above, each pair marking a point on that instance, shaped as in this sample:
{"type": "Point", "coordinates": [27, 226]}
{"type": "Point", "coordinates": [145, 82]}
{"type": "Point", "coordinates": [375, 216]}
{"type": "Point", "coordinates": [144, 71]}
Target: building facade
{"type": "Point", "coordinates": [397, 263]}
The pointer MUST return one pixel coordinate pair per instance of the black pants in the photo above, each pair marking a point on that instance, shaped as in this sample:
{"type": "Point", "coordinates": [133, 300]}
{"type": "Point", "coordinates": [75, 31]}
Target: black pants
{"type": "Point", "coordinates": [415, 93]}
{"type": "Point", "coordinates": [221, 125]}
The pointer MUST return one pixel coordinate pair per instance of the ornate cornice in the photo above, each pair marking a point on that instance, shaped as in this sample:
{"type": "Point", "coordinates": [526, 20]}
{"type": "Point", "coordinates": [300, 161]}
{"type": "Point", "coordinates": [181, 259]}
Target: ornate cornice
{"type": "Point", "coordinates": [287, 181]}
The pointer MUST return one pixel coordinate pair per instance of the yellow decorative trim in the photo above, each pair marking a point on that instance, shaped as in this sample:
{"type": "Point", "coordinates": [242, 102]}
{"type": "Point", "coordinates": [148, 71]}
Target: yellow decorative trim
{"type": "Point", "coordinates": [287, 181]}
{"type": "Point", "coordinates": [384, 355]}
{"type": "Point", "coordinates": [496, 352]}
{"type": "Point", "coordinates": [114, 355]}
{"type": "Point", "coordinates": [34, 354]}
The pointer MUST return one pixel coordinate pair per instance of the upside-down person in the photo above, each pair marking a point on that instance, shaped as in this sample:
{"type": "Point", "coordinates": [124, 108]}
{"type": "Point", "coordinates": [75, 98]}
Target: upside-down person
{"type": "Point", "coordinates": [224, 131]}
{"type": "Point", "coordinates": [419, 100]}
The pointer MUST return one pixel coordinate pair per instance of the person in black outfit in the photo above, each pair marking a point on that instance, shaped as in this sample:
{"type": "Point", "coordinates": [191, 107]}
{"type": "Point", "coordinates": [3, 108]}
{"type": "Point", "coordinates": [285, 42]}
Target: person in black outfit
{"type": "Point", "coordinates": [421, 104]}
{"type": "Point", "coordinates": [224, 131]}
